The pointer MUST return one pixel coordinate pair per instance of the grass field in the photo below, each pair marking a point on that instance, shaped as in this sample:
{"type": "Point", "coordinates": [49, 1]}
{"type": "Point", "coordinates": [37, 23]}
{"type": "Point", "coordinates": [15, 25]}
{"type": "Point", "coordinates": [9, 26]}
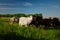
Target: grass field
{"type": "Point", "coordinates": [15, 32]}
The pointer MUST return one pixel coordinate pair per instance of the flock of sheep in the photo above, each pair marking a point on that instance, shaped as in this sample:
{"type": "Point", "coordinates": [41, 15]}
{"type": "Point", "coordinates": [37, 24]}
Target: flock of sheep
{"type": "Point", "coordinates": [22, 20]}
{"type": "Point", "coordinates": [36, 20]}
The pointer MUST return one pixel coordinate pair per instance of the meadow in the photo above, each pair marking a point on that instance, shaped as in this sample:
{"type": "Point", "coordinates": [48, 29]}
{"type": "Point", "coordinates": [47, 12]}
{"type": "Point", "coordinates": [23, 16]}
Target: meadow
{"type": "Point", "coordinates": [16, 32]}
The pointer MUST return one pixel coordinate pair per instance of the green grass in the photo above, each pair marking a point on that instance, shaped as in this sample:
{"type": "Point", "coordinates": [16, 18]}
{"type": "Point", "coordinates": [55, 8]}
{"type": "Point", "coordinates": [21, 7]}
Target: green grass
{"type": "Point", "coordinates": [27, 33]}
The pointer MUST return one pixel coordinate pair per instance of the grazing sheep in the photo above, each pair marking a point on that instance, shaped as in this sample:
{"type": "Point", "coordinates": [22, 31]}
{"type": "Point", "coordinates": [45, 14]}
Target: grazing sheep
{"type": "Point", "coordinates": [14, 19]}
{"type": "Point", "coordinates": [35, 21]}
{"type": "Point", "coordinates": [55, 22]}
{"type": "Point", "coordinates": [25, 21]}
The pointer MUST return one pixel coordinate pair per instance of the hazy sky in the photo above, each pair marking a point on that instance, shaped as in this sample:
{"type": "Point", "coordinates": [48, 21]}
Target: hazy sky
{"type": "Point", "coordinates": [46, 7]}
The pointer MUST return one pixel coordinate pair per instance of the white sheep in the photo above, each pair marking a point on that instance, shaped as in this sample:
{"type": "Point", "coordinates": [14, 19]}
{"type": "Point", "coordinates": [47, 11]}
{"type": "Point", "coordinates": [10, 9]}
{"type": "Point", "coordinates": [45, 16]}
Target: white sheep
{"type": "Point", "coordinates": [25, 21]}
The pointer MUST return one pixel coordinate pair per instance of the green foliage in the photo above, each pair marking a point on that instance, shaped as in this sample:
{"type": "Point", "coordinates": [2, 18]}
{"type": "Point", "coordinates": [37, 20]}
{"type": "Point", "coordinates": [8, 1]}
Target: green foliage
{"type": "Point", "coordinates": [20, 15]}
{"type": "Point", "coordinates": [27, 33]}
{"type": "Point", "coordinates": [37, 14]}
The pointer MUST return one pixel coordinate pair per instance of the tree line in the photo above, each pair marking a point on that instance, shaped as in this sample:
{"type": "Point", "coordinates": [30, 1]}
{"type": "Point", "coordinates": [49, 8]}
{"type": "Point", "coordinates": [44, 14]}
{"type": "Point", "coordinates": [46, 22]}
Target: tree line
{"type": "Point", "coordinates": [20, 15]}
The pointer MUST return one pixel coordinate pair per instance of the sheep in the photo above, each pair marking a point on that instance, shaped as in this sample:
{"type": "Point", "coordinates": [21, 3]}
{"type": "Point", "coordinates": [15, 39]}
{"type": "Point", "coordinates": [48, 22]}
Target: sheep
{"type": "Point", "coordinates": [14, 19]}
{"type": "Point", "coordinates": [25, 21]}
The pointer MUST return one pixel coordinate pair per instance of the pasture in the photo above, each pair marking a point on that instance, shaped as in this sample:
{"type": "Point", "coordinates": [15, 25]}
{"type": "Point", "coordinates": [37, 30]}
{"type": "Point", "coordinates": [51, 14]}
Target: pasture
{"type": "Point", "coordinates": [15, 32]}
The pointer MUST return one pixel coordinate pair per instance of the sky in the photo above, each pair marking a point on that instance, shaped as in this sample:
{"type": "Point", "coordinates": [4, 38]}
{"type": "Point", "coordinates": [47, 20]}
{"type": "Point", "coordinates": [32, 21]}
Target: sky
{"type": "Point", "coordinates": [48, 8]}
